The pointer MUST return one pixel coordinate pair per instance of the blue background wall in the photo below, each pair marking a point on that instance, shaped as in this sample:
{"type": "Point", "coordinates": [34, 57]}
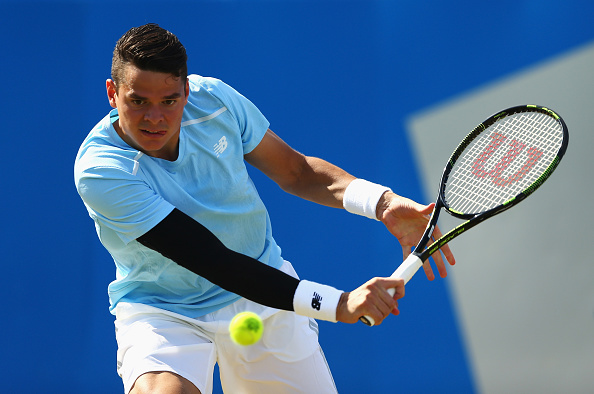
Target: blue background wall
{"type": "Point", "coordinates": [336, 79]}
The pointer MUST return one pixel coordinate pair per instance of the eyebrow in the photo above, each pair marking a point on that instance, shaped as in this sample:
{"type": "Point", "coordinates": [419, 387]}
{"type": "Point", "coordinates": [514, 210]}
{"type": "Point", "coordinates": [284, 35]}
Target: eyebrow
{"type": "Point", "coordinates": [170, 97]}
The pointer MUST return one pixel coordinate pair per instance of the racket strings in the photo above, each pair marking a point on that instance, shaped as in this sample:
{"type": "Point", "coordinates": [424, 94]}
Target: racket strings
{"type": "Point", "coordinates": [502, 161]}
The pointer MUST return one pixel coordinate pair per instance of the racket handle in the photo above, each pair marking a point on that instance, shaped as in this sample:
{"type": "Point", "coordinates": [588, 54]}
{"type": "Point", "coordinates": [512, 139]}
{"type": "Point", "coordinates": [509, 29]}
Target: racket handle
{"type": "Point", "coordinates": [405, 271]}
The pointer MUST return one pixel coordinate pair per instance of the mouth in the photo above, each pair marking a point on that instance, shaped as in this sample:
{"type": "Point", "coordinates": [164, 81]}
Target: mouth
{"type": "Point", "coordinates": [153, 132]}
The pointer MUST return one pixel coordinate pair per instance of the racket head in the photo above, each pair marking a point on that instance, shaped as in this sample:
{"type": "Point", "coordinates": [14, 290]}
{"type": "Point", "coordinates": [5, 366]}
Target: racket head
{"type": "Point", "coordinates": [502, 161]}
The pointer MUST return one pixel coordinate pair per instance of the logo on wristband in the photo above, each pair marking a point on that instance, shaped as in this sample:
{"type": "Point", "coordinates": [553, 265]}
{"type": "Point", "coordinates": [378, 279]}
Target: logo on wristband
{"type": "Point", "coordinates": [316, 301]}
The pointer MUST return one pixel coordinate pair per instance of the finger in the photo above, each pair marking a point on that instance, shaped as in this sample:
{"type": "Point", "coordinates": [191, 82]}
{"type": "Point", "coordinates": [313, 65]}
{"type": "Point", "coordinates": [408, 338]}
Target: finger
{"type": "Point", "coordinates": [438, 258]}
{"type": "Point", "coordinates": [427, 267]}
{"type": "Point", "coordinates": [379, 311]}
{"type": "Point", "coordinates": [406, 251]}
{"type": "Point", "coordinates": [441, 267]}
{"type": "Point", "coordinates": [378, 303]}
{"type": "Point", "coordinates": [399, 289]}
{"type": "Point", "coordinates": [390, 302]}
{"type": "Point", "coordinates": [427, 209]}
{"type": "Point", "coordinates": [446, 248]}
{"type": "Point", "coordinates": [428, 270]}
{"type": "Point", "coordinates": [439, 263]}
{"type": "Point", "coordinates": [391, 308]}
{"type": "Point", "coordinates": [395, 310]}
{"type": "Point", "coordinates": [448, 254]}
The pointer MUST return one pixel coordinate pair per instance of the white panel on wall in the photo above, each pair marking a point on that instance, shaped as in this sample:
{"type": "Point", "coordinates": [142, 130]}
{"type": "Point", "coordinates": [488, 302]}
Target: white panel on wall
{"type": "Point", "coordinates": [524, 283]}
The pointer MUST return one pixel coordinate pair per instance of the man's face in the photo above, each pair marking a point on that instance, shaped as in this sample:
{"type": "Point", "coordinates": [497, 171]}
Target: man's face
{"type": "Point", "coordinates": [150, 107]}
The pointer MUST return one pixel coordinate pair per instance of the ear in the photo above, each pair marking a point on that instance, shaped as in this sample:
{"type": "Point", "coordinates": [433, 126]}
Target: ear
{"type": "Point", "coordinates": [110, 86]}
{"type": "Point", "coordinates": [187, 90]}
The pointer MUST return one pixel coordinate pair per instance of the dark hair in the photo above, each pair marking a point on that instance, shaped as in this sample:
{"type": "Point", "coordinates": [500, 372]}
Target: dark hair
{"type": "Point", "coordinates": [150, 48]}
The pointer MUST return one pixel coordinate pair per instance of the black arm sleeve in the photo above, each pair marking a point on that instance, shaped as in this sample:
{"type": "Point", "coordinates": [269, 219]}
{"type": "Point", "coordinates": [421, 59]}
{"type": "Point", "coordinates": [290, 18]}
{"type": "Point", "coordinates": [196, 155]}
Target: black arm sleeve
{"type": "Point", "coordinates": [191, 245]}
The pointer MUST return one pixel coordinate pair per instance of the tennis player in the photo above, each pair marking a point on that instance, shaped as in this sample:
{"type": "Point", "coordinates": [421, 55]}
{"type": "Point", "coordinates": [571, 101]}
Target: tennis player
{"type": "Point", "coordinates": [163, 176]}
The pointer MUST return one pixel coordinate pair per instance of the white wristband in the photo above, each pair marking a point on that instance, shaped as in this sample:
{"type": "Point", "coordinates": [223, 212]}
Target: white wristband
{"type": "Point", "coordinates": [316, 300]}
{"type": "Point", "coordinates": [361, 197]}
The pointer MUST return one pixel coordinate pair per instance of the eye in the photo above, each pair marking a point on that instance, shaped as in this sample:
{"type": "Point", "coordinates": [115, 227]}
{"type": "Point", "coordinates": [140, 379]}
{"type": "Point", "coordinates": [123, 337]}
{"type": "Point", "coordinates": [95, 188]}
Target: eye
{"type": "Point", "coordinates": [169, 102]}
{"type": "Point", "coordinates": [137, 102]}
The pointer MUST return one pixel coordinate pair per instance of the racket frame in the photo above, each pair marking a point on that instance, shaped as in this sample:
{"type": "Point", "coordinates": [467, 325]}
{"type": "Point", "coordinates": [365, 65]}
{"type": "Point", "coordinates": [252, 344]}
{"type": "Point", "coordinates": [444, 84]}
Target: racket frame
{"type": "Point", "coordinates": [472, 219]}
{"type": "Point", "coordinates": [421, 252]}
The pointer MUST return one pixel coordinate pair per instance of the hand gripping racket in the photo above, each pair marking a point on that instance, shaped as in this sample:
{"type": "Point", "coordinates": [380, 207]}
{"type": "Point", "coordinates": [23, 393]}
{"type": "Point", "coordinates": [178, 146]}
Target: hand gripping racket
{"type": "Point", "coordinates": [499, 163]}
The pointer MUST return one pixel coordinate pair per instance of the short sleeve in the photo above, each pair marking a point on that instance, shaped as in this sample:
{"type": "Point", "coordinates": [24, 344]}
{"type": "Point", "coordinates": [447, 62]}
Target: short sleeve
{"type": "Point", "coordinates": [121, 202]}
{"type": "Point", "coordinates": [251, 122]}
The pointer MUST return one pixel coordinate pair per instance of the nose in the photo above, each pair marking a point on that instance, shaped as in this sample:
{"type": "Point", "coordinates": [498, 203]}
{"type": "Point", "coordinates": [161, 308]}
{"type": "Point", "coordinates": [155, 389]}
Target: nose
{"type": "Point", "coordinates": [153, 114]}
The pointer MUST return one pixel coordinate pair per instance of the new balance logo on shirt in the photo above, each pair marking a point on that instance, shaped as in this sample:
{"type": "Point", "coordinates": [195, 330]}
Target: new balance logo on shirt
{"type": "Point", "coordinates": [220, 146]}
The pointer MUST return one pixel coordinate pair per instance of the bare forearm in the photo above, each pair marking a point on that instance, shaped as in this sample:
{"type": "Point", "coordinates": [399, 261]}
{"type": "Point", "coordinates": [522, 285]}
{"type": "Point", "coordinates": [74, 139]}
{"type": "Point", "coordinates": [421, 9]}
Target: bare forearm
{"type": "Point", "coordinates": [307, 177]}
{"type": "Point", "coordinates": [320, 181]}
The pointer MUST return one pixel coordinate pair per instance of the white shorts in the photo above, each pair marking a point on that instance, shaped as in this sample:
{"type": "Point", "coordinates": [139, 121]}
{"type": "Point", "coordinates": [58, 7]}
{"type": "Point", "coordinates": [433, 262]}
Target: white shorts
{"type": "Point", "coordinates": [288, 358]}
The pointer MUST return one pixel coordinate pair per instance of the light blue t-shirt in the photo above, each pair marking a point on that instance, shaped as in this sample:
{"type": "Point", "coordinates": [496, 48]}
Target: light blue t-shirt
{"type": "Point", "coordinates": [127, 193]}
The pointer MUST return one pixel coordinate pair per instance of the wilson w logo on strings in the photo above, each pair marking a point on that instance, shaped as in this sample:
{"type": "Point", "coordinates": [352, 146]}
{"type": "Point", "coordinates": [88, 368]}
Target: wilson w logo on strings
{"type": "Point", "coordinates": [515, 147]}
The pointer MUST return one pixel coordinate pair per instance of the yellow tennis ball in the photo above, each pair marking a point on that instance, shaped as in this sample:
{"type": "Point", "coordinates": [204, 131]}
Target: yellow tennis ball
{"type": "Point", "coordinates": [246, 328]}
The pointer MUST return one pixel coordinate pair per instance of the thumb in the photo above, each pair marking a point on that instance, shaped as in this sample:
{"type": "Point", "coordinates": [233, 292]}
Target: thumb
{"type": "Point", "coordinates": [427, 209]}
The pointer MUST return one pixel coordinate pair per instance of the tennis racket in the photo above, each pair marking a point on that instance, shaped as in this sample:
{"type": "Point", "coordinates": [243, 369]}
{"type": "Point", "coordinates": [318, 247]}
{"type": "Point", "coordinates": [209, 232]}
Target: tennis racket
{"type": "Point", "coordinates": [499, 163]}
